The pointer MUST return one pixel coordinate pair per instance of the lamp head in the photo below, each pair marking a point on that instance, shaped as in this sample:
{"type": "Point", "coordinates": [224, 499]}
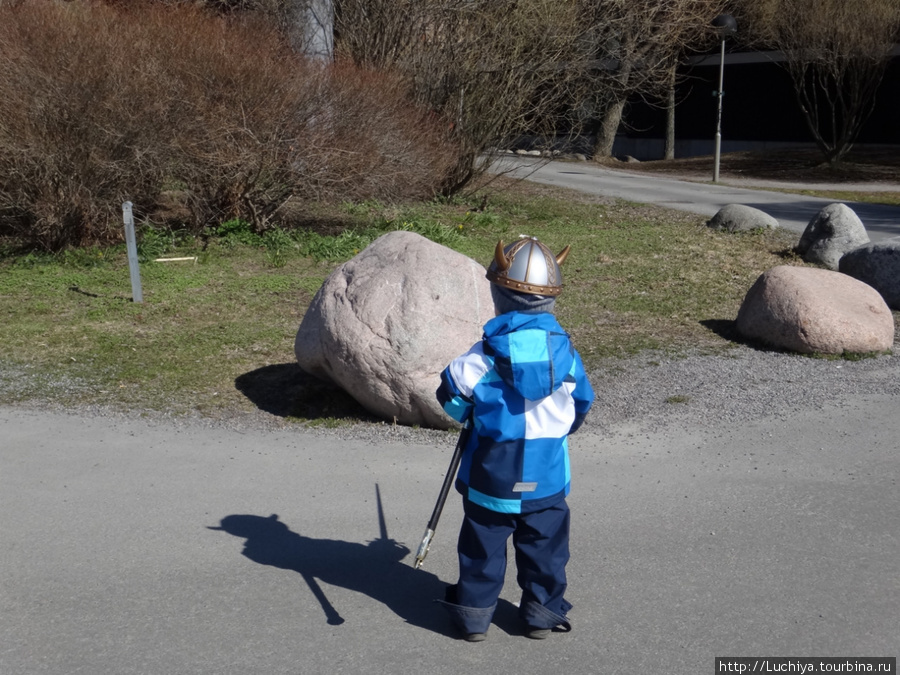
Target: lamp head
{"type": "Point", "coordinates": [725, 25]}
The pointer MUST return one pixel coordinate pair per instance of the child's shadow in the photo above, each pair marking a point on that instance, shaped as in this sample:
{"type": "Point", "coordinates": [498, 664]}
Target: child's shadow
{"type": "Point", "coordinates": [373, 569]}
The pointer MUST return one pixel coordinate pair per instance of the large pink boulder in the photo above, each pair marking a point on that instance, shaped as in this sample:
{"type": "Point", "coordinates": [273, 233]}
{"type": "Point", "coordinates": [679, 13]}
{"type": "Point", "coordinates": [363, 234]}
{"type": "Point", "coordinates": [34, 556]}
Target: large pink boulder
{"type": "Point", "coordinates": [385, 324]}
{"type": "Point", "coordinates": [806, 310]}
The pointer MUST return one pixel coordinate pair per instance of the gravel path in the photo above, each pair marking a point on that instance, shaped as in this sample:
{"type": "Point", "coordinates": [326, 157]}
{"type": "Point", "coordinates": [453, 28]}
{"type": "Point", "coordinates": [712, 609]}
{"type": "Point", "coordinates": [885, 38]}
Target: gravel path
{"type": "Point", "coordinates": [649, 392]}
{"type": "Point", "coordinates": [743, 385]}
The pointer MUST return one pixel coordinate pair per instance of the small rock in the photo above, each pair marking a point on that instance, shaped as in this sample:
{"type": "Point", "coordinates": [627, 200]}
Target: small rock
{"type": "Point", "coordinates": [831, 233]}
{"type": "Point", "coordinates": [740, 218]}
{"type": "Point", "coordinates": [877, 265]}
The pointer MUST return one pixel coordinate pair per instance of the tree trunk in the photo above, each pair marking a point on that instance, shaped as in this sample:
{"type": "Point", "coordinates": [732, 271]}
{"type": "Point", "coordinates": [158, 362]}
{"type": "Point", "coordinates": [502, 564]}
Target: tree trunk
{"type": "Point", "coordinates": [670, 124]}
{"type": "Point", "coordinates": [606, 133]}
{"type": "Point", "coordinates": [670, 116]}
{"type": "Point", "coordinates": [312, 29]}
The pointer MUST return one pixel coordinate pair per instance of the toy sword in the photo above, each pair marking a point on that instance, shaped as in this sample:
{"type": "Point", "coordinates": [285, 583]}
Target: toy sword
{"type": "Point", "coordinates": [442, 497]}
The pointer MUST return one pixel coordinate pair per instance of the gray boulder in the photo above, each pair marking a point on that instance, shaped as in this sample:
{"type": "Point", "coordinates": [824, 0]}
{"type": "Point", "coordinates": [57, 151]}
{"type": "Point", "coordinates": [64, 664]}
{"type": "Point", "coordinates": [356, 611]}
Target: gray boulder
{"type": "Point", "coordinates": [740, 218]}
{"type": "Point", "coordinates": [877, 265]}
{"type": "Point", "coordinates": [806, 310]}
{"type": "Point", "coordinates": [831, 233]}
{"type": "Point", "coordinates": [386, 323]}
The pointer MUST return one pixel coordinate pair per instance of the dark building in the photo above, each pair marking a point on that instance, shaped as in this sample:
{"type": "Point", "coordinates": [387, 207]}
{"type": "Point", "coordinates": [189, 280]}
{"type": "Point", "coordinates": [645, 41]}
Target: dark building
{"type": "Point", "coordinates": [760, 111]}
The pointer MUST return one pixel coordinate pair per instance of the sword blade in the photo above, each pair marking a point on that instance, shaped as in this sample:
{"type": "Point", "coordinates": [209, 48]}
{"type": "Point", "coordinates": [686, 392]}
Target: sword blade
{"type": "Point", "coordinates": [382, 524]}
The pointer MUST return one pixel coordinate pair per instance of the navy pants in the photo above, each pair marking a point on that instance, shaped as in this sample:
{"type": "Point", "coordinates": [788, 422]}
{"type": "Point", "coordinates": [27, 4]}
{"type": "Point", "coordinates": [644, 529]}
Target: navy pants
{"type": "Point", "coordinates": [541, 544]}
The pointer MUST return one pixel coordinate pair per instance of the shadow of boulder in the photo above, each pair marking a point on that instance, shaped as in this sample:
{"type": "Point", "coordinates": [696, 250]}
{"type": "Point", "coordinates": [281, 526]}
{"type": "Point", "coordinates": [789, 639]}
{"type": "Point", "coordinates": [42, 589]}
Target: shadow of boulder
{"type": "Point", "coordinates": [286, 390]}
{"type": "Point", "coordinates": [724, 328]}
{"type": "Point", "coordinates": [727, 329]}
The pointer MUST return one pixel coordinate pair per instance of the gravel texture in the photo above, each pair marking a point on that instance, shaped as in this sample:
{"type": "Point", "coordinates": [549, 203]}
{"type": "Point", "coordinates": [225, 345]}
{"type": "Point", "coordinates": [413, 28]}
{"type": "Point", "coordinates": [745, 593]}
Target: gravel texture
{"type": "Point", "coordinates": [649, 392]}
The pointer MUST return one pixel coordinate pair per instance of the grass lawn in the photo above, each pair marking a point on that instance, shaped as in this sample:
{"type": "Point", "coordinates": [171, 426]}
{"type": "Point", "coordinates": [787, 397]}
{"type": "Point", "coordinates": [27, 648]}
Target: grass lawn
{"type": "Point", "coordinates": [215, 336]}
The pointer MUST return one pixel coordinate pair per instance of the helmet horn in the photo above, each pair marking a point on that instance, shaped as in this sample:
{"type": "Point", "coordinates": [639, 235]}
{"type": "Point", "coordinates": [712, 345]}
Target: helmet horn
{"type": "Point", "coordinates": [561, 258]}
{"type": "Point", "coordinates": [500, 258]}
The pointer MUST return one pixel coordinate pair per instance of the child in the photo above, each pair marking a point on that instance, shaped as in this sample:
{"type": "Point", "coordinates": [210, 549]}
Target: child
{"type": "Point", "coordinates": [525, 390]}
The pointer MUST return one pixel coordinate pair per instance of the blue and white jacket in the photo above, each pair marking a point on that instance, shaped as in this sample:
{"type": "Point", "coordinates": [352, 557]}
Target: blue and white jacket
{"type": "Point", "coordinates": [525, 388]}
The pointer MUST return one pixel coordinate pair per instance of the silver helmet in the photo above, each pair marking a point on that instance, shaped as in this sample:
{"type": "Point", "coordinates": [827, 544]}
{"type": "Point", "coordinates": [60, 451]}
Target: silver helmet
{"type": "Point", "coordinates": [527, 266]}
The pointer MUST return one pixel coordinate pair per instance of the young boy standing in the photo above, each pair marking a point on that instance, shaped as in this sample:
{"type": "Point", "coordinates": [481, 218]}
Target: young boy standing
{"type": "Point", "coordinates": [524, 390]}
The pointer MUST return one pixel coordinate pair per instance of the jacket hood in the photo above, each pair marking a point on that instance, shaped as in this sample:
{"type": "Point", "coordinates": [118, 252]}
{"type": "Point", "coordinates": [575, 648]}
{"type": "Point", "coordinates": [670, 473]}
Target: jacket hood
{"type": "Point", "coordinates": [532, 353]}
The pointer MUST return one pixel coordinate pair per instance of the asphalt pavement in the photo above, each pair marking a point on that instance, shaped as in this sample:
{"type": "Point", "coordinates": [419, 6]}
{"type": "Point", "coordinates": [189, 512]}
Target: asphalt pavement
{"type": "Point", "coordinates": [793, 211]}
{"type": "Point", "coordinates": [133, 546]}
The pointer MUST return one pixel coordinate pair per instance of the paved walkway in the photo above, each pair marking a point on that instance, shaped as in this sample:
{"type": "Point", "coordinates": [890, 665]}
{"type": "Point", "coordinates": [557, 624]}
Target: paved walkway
{"type": "Point", "coordinates": [792, 211]}
{"type": "Point", "coordinates": [161, 548]}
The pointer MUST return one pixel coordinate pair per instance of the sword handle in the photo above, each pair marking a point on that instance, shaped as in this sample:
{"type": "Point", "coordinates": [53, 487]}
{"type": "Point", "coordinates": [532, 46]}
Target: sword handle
{"type": "Point", "coordinates": [423, 547]}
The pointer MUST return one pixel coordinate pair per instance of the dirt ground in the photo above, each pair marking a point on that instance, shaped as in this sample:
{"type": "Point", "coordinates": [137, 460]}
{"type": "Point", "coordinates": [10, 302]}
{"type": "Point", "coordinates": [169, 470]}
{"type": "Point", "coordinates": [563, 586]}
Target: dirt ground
{"type": "Point", "coordinates": [870, 164]}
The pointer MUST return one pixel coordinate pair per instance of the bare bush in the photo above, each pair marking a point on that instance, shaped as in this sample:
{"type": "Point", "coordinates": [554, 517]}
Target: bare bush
{"type": "Point", "coordinates": [237, 103]}
{"type": "Point", "coordinates": [101, 104]}
{"type": "Point", "coordinates": [70, 141]}
{"type": "Point", "coordinates": [306, 24]}
{"type": "Point", "coordinates": [370, 140]}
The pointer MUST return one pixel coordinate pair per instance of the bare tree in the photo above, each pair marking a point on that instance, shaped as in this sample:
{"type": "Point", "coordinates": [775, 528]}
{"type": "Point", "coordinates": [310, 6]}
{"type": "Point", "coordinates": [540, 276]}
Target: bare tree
{"type": "Point", "coordinates": [382, 33]}
{"type": "Point", "coordinates": [669, 152]}
{"type": "Point", "coordinates": [491, 69]}
{"type": "Point", "coordinates": [636, 45]}
{"type": "Point", "coordinates": [836, 53]}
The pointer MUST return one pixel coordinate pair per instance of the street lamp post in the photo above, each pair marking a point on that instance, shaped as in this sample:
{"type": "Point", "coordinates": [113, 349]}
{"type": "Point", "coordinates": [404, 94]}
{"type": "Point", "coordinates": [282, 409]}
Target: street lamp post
{"type": "Point", "coordinates": [725, 25]}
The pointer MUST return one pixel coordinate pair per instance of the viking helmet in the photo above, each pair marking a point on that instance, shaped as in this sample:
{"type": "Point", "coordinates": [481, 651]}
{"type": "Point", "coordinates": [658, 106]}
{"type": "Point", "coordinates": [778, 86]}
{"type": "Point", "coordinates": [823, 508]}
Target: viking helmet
{"type": "Point", "coordinates": [527, 266]}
